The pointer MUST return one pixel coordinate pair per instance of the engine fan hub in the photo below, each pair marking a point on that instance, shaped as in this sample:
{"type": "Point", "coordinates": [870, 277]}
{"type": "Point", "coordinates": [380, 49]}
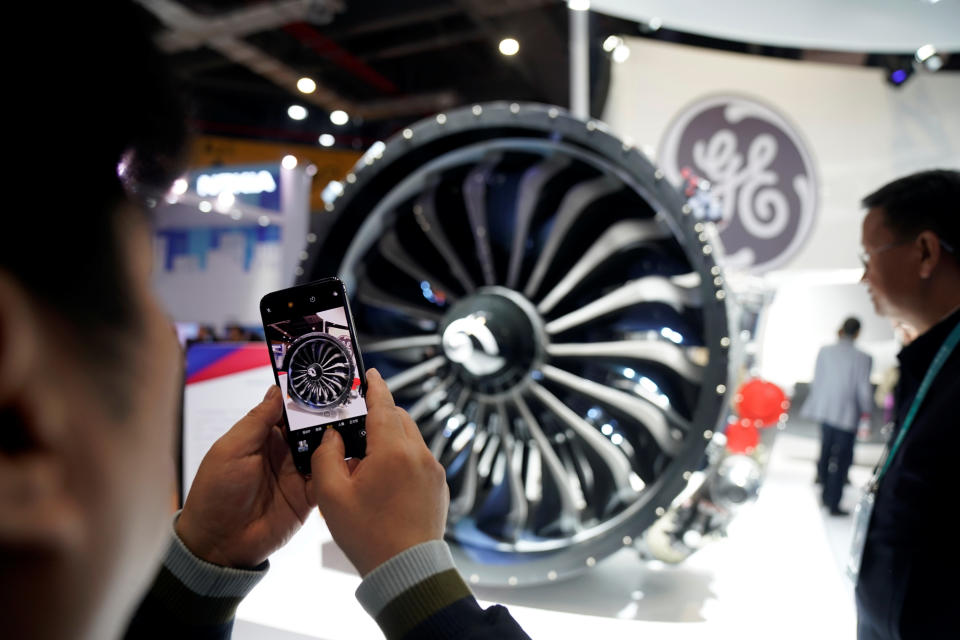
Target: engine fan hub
{"type": "Point", "coordinates": [493, 338]}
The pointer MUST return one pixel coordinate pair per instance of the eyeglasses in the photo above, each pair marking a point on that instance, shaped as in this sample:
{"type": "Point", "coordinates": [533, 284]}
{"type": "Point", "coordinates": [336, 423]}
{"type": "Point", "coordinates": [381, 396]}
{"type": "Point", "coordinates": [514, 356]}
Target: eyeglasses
{"type": "Point", "coordinates": [865, 255]}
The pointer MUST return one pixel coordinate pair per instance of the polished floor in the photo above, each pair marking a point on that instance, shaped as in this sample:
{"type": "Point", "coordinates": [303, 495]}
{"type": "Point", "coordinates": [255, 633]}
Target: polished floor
{"type": "Point", "coordinates": [779, 574]}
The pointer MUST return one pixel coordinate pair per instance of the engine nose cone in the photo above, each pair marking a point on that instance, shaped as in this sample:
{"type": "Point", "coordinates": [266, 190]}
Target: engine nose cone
{"type": "Point", "coordinates": [471, 343]}
{"type": "Point", "coordinates": [493, 338]}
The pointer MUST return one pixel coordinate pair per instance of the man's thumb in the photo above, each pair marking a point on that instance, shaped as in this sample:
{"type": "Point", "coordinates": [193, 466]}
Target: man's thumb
{"type": "Point", "coordinates": [328, 469]}
{"type": "Point", "coordinates": [252, 430]}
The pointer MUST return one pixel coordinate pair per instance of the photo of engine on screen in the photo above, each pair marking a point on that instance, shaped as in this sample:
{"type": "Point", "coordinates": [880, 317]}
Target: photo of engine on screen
{"type": "Point", "coordinates": [316, 368]}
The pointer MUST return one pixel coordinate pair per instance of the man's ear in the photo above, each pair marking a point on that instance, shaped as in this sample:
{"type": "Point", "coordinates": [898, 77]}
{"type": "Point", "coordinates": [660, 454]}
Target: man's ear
{"type": "Point", "coordinates": [931, 252]}
{"type": "Point", "coordinates": [36, 510]}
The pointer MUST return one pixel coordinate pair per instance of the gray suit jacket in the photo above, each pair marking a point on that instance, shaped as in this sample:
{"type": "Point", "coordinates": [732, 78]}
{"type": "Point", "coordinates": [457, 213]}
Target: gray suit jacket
{"type": "Point", "coordinates": [841, 391]}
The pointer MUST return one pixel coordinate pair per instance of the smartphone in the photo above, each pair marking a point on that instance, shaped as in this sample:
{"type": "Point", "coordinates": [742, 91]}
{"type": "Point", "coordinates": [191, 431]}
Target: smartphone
{"type": "Point", "coordinates": [317, 365]}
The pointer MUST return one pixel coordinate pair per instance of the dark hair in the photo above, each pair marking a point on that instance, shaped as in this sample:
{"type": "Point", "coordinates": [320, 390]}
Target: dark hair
{"type": "Point", "coordinates": [929, 200]}
{"type": "Point", "coordinates": [850, 327]}
{"type": "Point", "coordinates": [116, 101]}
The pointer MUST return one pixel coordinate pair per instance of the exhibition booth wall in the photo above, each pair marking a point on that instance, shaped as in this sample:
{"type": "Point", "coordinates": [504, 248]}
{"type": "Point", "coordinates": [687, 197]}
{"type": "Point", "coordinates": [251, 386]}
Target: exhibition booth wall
{"type": "Point", "coordinates": [854, 131]}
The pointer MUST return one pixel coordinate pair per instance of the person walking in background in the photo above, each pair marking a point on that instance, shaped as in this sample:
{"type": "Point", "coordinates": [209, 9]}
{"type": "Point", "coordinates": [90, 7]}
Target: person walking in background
{"type": "Point", "coordinates": [840, 398]}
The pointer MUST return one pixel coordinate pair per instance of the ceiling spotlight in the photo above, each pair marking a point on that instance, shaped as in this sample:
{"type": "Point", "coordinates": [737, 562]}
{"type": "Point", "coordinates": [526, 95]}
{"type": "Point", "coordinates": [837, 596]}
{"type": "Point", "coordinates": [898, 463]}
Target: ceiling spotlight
{"type": "Point", "coordinates": [621, 53]}
{"type": "Point", "coordinates": [578, 5]}
{"type": "Point", "coordinates": [326, 140]}
{"type": "Point", "coordinates": [339, 117]}
{"type": "Point", "coordinates": [180, 186]}
{"type": "Point", "coordinates": [297, 112]}
{"type": "Point", "coordinates": [306, 85]}
{"type": "Point", "coordinates": [927, 56]}
{"type": "Point", "coordinates": [225, 201]}
{"type": "Point", "coordinates": [289, 162]}
{"type": "Point", "coordinates": [899, 69]}
{"type": "Point", "coordinates": [205, 206]}
{"type": "Point", "coordinates": [509, 46]}
{"type": "Point", "coordinates": [611, 43]}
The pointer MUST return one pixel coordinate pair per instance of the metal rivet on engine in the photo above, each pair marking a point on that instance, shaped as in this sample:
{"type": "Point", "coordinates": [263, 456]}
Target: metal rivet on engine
{"type": "Point", "coordinates": [477, 109]}
{"type": "Point", "coordinates": [698, 227]}
{"type": "Point", "coordinates": [591, 561]}
{"type": "Point", "coordinates": [311, 237]}
{"type": "Point", "coordinates": [514, 108]}
{"type": "Point", "coordinates": [718, 281]}
{"type": "Point", "coordinates": [715, 270]}
{"type": "Point", "coordinates": [512, 581]}
{"type": "Point", "coordinates": [658, 175]}
{"type": "Point", "coordinates": [441, 118]}
{"type": "Point", "coordinates": [553, 112]}
{"type": "Point", "coordinates": [627, 541]}
{"type": "Point", "coordinates": [707, 434]}
{"type": "Point", "coordinates": [720, 294]}
{"type": "Point", "coordinates": [329, 206]}
{"type": "Point", "coordinates": [724, 341]}
{"type": "Point", "coordinates": [299, 271]}
{"type": "Point", "coordinates": [351, 178]}
{"type": "Point", "coordinates": [707, 250]}
{"type": "Point", "coordinates": [303, 256]}
{"type": "Point", "coordinates": [661, 511]}
{"type": "Point", "coordinates": [474, 578]}
{"type": "Point", "coordinates": [721, 389]}
{"type": "Point", "coordinates": [552, 575]}
{"type": "Point", "coordinates": [591, 126]}
{"type": "Point", "coordinates": [408, 133]}
{"type": "Point", "coordinates": [686, 209]}
{"type": "Point", "coordinates": [687, 475]}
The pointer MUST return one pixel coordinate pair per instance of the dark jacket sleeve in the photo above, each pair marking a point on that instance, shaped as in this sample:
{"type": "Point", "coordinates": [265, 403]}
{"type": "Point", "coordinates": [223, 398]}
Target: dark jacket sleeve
{"type": "Point", "coordinates": [191, 598]}
{"type": "Point", "coordinates": [464, 619]}
{"type": "Point", "coordinates": [442, 607]}
{"type": "Point", "coordinates": [171, 610]}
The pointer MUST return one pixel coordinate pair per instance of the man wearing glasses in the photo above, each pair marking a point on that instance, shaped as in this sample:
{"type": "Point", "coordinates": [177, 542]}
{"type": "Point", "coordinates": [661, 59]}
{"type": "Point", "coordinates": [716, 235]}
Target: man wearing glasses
{"type": "Point", "coordinates": [901, 553]}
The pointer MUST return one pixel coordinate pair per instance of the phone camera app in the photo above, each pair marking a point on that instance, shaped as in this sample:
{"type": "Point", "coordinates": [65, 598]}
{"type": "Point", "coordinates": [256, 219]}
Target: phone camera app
{"type": "Point", "coordinates": [316, 368]}
{"type": "Point", "coordinates": [313, 298]}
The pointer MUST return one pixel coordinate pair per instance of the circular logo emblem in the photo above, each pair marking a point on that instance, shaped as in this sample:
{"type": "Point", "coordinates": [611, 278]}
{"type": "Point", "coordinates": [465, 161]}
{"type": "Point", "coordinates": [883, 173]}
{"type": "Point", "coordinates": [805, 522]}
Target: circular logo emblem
{"type": "Point", "coordinates": [758, 171]}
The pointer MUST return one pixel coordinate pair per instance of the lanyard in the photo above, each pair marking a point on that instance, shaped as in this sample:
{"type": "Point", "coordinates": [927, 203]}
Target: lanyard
{"type": "Point", "coordinates": [945, 350]}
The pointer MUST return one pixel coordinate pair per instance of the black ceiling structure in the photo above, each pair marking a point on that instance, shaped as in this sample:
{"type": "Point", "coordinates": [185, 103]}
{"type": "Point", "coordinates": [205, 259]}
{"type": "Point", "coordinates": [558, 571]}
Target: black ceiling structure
{"type": "Point", "coordinates": [389, 63]}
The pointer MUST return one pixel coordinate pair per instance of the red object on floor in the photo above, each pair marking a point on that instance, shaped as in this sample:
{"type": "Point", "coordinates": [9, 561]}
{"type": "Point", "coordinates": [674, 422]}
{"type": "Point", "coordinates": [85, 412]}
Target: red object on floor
{"type": "Point", "coordinates": [760, 401]}
{"type": "Point", "coordinates": [742, 436]}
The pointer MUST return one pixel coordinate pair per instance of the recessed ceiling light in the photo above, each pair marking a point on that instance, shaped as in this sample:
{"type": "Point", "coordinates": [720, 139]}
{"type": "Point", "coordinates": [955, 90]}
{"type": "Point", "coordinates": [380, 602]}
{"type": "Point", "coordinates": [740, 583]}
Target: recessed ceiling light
{"type": "Point", "coordinates": [180, 186]}
{"type": "Point", "coordinates": [621, 53]}
{"type": "Point", "coordinates": [289, 162]}
{"type": "Point", "coordinates": [579, 5]}
{"type": "Point", "coordinates": [927, 55]}
{"type": "Point", "coordinates": [326, 140]}
{"type": "Point", "coordinates": [611, 43]}
{"type": "Point", "coordinates": [339, 117]}
{"type": "Point", "coordinates": [225, 200]}
{"type": "Point", "coordinates": [297, 112]}
{"type": "Point", "coordinates": [306, 85]}
{"type": "Point", "coordinates": [509, 46]}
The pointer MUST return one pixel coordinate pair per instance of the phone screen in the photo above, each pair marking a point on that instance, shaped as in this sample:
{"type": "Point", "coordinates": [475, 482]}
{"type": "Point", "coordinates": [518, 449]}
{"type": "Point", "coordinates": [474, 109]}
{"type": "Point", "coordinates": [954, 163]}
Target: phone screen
{"type": "Point", "coordinates": [318, 367]}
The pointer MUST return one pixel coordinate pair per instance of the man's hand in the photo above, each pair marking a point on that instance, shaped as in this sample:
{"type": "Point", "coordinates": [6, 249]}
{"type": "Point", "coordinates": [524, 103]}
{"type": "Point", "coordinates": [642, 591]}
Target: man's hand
{"type": "Point", "coordinates": [394, 498]}
{"type": "Point", "coordinates": [247, 499]}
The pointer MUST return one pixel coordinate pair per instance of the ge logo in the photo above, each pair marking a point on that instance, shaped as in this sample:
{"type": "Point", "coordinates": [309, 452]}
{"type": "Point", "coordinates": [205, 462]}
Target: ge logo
{"type": "Point", "coordinates": [759, 171]}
